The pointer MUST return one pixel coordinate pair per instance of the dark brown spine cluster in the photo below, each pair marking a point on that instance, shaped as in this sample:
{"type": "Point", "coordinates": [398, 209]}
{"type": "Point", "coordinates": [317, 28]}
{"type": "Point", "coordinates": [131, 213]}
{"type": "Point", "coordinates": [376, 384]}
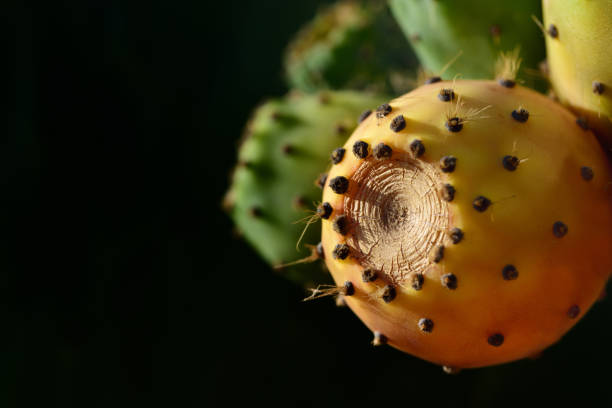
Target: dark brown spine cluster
{"type": "Point", "coordinates": [426, 325]}
{"type": "Point", "coordinates": [448, 164]}
{"type": "Point", "coordinates": [417, 148]}
{"type": "Point", "coordinates": [506, 83]}
{"type": "Point", "coordinates": [520, 115]}
{"type": "Point", "coordinates": [446, 95]}
{"type": "Point", "coordinates": [416, 281]}
{"type": "Point", "coordinates": [481, 203]}
{"type": "Point", "coordinates": [447, 192]}
{"type": "Point", "coordinates": [339, 184]}
{"type": "Point", "coordinates": [496, 339]}
{"type": "Point", "coordinates": [454, 124]}
{"type": "Point", "coordinates": [509, 272]}
{"type": "Point", "coordinates": [510, 163]}
{"type": "Point", "coordinates": [456, 235]}
{"type": "Point", "coordinates": [340, 224]}
{"type": "Point", "coordinates": [398, 123]}
{"type": "Point", "coordinates": [324, 210]}
{"type": "Point", "coordinates": [369, 275]}
{"type": "Point", "coordinates": [586, 173]}
{"type": "Point", "coordinates": [382, 151]}
{"type": "Point", "coordinates": [598, 87]}
{"type": "Point", "coordinates": [360, 149]}
{"type": "Point", "coordinates": [341, 251]}
{"type": "Point", "coordinates": [383, 110]}
{"type": "Point", "coordinates": [389, 293]}
{"type": "Point", "coordinates": [432, 80]}
{"type": "Point", "coordinates": [337, 155]}
{"type": "Point", "coordinates": [559, 229]}
{"type": "Point", "coordinates": [449, 281]}
{"type": "Point", "coordinates": [364, 115]}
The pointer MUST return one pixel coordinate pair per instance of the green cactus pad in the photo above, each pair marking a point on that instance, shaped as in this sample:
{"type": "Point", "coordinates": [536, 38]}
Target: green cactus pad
{"type": "Point", "coordinates": [438, 30]}
{"type": "Point", "coordinates": [350, 45]}
{"type": "Point", "coordinates": [287, 146]}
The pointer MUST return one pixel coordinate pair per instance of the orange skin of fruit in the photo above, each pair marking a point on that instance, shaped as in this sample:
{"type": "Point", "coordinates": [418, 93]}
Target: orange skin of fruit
{"type": "Point", "coordinates": [554, 273]}
{"type": "Point", "coordinates": [580, 55]}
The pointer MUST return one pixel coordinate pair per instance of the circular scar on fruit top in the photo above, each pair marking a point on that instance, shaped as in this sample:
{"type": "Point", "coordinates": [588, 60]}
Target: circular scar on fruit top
{"type": "Point", "coordinates": [397, 215]}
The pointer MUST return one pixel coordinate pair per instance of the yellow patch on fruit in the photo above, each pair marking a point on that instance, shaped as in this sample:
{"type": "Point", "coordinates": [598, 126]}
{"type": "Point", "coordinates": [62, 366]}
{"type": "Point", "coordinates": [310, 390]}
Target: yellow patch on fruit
{"type": "Point", "coordinates": [578, 41]}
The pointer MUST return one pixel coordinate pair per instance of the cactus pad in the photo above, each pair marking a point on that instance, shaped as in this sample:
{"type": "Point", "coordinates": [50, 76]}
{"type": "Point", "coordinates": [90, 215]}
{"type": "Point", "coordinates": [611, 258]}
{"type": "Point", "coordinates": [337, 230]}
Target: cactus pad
{"type": "Point", "coordinates": [438, 30]}
{"type": "Point", "coordinates": [351, 44]}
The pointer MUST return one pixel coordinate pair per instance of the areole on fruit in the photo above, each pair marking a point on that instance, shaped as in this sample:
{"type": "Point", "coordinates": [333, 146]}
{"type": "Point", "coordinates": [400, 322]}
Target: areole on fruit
{"type": "Point", "coordinates": [475, 238]}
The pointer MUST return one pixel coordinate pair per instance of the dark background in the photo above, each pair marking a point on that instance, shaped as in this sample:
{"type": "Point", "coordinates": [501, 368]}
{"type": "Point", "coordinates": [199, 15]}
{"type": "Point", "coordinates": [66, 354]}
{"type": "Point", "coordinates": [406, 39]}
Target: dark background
{"type": "Point", "coordinates": [123, 284]}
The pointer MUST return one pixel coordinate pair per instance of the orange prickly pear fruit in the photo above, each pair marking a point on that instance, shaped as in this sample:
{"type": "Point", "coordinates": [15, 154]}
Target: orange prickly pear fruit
{"type": "Point", "coordinates": [578, 38]}
{"type": "Point", "coordinates": [471, 221]}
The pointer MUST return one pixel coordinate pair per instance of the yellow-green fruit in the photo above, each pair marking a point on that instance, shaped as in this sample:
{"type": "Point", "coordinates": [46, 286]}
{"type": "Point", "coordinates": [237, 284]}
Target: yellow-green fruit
{"type": "Point", "coordinates": [578, 41]}
{"type": "Point", "coordinates": [473, 222]}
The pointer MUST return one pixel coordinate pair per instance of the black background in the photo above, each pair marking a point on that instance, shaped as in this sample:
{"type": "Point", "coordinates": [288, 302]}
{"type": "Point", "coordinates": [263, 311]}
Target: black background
{"type": "Point", "coordinates": [123, 284]}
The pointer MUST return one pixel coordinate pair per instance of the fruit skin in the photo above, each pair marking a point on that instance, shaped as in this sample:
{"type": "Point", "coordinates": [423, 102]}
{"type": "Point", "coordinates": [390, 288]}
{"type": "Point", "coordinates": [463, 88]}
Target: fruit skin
{"type": "Point", "coordinates": [439, 29]}
{"type": "Point", "coordinates": [486, 314]}
{"type": "Point", "coordinates": [285, 148]}
{"type": "Point", "coordinates": [350, 45]}
{"type": "Point", "coordinates": [578, 56]}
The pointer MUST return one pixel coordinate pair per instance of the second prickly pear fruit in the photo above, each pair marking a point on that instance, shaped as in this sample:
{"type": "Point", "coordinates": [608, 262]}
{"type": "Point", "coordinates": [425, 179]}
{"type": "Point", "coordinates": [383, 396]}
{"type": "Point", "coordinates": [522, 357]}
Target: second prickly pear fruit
{"type": "Point", "coordinates": [578, 38]}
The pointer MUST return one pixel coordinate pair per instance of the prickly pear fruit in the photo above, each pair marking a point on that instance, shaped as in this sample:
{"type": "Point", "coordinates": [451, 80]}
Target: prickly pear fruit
{"type": "Point", "coordinates": [471, 223]}
{"type": "Point", "coordinates": [438, 30]}
{"type": "Point", "coordinates": [286, 148]}
{"type": "Point", "coordinates": [578, 38]}
{"type": "Point", "coordinates": [350, 44]}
